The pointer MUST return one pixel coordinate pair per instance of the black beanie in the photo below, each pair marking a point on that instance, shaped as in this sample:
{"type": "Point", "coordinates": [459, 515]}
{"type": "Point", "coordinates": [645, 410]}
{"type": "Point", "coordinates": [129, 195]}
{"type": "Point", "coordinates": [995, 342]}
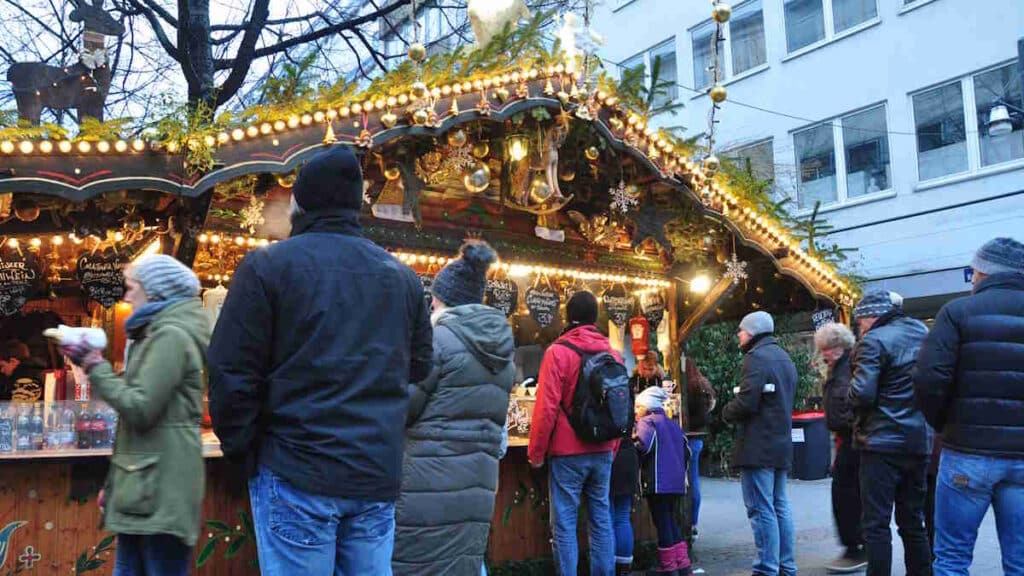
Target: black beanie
{"type": "Point", "coordinates": [581, 309]}
{"type": "Point", "coordinates": [463, 281]}
{"type": "Point", "coordinates": [332, 179]}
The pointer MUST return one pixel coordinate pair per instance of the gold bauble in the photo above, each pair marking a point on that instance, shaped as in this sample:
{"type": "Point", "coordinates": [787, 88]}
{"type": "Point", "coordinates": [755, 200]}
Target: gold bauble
{"type": "Point", "coordinates": [392, 173]}
{"type": "Point", "coordinates": [566, 173]}
{"type": "Point", "coordinates": [481, 150]}
{"type": "Point", "coordinates": [457, 138]}
{"type": "Point", "coordinates": [592, 153]}
{"type": "Point", "coordinates": [389, 119]}
{"type": "Point", "coordinates": [712, 164]}
{"type": "Point", "coordinates": [478, 179]}
{"type": "Point", "coordinates": [721, 12]}
{"type": "Point", "coordinates": [420, 90]}
{"type": "Point", "coordinates": [718, 94]}
{"type": "Point", "coordinates": [420, 117]}
{"type": "Point", "coordinates": [563, 97]}
{"type": "Point", "coordinates": [417, 52]}
{"type": "Point", "coordinates": [287, 180]}
{"type": "Point", "coordinates": [615, 123]}
{"type": "Point", "coordinates": [502, 94]}
{"type": "Point", "coordinates": [540, 191]}
{"type": "Point", "coordinates": [633, 191]}
{"type": "Point", "coordinates": [26, 212]}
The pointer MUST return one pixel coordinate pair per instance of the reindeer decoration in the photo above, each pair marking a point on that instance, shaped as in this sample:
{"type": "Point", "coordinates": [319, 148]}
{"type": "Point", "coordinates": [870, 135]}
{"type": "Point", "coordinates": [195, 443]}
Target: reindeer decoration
{"type": "Point", "coordinates": [83, 85]}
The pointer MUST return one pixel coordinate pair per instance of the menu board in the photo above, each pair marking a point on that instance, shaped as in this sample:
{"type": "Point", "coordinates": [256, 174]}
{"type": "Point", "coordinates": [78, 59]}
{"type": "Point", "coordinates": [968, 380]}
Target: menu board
{"type": "Point", "coordinates": [653, 306]}
{"type": "Point", "coordinates": [101, 277]}
{"type": "Point", "coordinates": [543, 302]}
{"type": "Point", "coordinates": [428, 296]}
{"type": "Point", "coordinates": [618, 304]}
{"type": "Point", "coordinates": [19, 276]}
{"type": "Point", "coordinates": [502, 294]}
{"type": "Point", "coordinates": [821, 317]}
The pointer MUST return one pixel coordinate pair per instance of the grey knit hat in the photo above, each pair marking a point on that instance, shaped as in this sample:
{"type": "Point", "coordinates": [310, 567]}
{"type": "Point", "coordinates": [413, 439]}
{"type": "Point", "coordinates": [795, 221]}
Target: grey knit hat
{"type": "Point", "coordinates": [164, 278]}
{"type": "Point", "coordinates": [759, 322]}
{"type": "Point", "coordinates": [999, 255]}
{"type": "Point", "coordinates": [877, 303]}
{"type": "Point", "coordinates": [463, 281]}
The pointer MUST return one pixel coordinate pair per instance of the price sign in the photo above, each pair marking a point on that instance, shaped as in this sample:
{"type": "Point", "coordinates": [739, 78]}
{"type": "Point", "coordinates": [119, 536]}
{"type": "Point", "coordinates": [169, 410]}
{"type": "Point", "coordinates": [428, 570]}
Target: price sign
{"type": "Point", "coordinates": [503, 295]}
{"type": "Point", "coordinates": [653, 306]}
{"type": "Point", "coordinates": [102, 277]}
{"type": "Point", "coordinates": [618, 304]}
{"type": "Point", "coordinates": [428, 281]}
{"type": "Point", "coordinates": [543, 302]}
{"type": "Point", "coordinates": [19, 276]}
{"type": "Point", "coordinates": [821, 317]}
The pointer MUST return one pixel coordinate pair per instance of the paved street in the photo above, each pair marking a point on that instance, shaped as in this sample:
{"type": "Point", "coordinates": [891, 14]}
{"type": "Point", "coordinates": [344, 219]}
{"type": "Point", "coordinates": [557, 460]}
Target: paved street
{"type": "Point", "coordinates": [726, 547]}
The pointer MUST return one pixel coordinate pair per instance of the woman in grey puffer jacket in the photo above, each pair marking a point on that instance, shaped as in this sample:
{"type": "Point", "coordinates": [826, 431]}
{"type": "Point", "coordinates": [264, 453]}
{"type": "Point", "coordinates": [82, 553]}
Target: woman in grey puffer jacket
{"type": "Point", "coordinates": [455, 426]}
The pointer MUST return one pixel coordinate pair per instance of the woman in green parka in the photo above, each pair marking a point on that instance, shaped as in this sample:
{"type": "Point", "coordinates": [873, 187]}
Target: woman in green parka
{"type": "Point", "coordinates": [155, 487]}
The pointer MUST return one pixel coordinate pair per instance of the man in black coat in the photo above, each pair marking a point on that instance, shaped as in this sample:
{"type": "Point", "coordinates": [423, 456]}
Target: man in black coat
{"type": "Point", "coordinates": [309, 364]}
{"type": "Point", "coordinates": [890, 432]}
{"type": "Point", "coordinates": [763, 413]}
{"type": "Point", "coordinates": [970, 385]}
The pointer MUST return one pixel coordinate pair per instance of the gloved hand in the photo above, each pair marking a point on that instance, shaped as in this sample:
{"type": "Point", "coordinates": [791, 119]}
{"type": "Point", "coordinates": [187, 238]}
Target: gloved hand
{"type": "Point", "coordinates": [82, 355]}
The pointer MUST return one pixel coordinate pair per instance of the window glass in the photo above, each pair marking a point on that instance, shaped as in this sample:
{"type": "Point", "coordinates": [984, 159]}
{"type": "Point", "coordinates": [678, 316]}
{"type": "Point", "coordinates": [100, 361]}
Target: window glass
{"type": "Point", "coordinates": [805, 23]}
{"type": "Point", "coordinates": [867, 152]}
{"type": "Point", "coordinates": [759, 158]}
{"type": "Point", "coordinates": [633, 63]}
{"type": "Point", "coordinates": [746, 31]}
{"type": "Point", "coordinates": [815, 153]}
{"type": "Point", "coordinates": [665, 55]}
{"type": "Point", "coordinates": [941, 138]}
{"type": "Point", "coordinates": [701, 39]}
{"type": "Point", "coordinates": [997, 94]}
{"type": "Point", "coordinates": [849, 13]}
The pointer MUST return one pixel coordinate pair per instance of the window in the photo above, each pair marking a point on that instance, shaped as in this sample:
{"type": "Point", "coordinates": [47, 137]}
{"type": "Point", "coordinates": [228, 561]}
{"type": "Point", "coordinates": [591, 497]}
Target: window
{"type": "Point", "coordinates": [843, 159]}
{"type": "Point", "coordinates": [811, 21]}
{"type": "Point", "coordinates": [744, 50]}
{"type": "Point", "coordinates": [952, 139]}
{"type": "Point", "coordinates": [664, 56]}
{"type": "Point", "coordinates": [759, 158]}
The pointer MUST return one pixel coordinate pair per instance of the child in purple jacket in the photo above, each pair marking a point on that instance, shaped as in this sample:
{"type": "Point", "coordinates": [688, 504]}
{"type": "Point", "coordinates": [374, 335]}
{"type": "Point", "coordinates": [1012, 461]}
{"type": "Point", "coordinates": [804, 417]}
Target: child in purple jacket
{"type": "Point", "coordinates": [663, 457]}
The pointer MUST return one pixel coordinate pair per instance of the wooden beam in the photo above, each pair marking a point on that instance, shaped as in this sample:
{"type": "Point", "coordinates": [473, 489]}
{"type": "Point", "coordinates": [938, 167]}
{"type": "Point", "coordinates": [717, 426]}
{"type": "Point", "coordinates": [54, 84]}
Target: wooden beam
{"type": "Point", "coordinates": [714, 297]}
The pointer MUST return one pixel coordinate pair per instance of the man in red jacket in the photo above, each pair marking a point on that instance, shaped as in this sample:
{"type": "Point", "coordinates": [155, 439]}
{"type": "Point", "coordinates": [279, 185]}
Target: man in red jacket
{"type": "Point", "coordinates": [577, 468]}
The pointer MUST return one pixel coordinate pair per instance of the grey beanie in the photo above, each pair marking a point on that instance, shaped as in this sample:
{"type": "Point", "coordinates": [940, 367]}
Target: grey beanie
{"type": "Point", "coordinates": [999, 255]}
{"type": "Point", "coordinates": [877, 303]}
{"type": "Point", "coordinates": [756, 323]}
{"type": "Point", "coordinates": [165, 278]}
{"type": "Point", "coordinates": [463, 281]}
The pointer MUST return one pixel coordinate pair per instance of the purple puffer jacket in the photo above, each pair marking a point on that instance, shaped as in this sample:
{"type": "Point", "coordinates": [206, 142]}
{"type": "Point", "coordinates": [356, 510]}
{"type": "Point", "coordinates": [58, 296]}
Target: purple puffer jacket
{"type": "Point", "coordinates": [663, 450]}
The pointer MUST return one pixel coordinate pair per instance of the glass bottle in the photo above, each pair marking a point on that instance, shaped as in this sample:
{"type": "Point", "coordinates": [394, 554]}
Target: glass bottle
{"type": "Point", "coordinates": [67, 426]}
{"type": "Point", "coordinates": [98, 428]}
{"type": "Point", "coordinates": [84, 439]}
{"type": "Point", "coordinates": [53, 433]}
{"type": "Point", "coordinates": [37, 428]}
{"type": "Point", "coordinates": [24, 441]}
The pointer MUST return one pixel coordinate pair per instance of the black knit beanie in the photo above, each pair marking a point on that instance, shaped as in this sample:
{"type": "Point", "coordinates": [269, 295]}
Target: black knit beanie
{"type": "Point", "coordinates": [332, 179]}
{"type": "Point", "coordinates": [581, 309]}
{"type": "Point", "coordinates": [464, 280]}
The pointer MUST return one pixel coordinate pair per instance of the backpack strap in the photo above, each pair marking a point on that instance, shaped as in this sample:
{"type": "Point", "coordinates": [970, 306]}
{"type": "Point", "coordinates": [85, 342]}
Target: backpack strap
{"type": "Point", "coordinates": [579, 379]}
{"type": "Point", "coordinates": [572, 347]}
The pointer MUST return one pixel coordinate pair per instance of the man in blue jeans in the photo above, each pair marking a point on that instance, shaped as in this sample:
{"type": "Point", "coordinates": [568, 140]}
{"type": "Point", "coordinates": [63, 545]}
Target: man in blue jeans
{"type": "Point", "coordinates": [309, 364]}
{"type": "Point", "coordinates": [970, 385]}
{"type": "Point", "coordinates": [763, 413]}
{"type": "Point", "coordinates": [578, 468]}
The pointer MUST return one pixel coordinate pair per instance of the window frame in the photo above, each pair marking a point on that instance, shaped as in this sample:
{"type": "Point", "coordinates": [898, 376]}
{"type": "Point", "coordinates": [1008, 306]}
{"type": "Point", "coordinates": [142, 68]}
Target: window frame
{"type": "Point", "coordinates": [770, 140]}
{"type": "Point", "coordinates": [648, 62]}
{"type": "Point", "coordinates": [831, 34]}
{"type": "Point", "coordinates": [843, 197]}
{"type": "Point", "coordinates": [727, 69]}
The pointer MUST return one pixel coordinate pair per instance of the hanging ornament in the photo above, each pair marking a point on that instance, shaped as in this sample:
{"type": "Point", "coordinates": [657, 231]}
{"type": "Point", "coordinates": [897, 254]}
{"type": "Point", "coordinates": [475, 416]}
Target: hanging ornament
{"type": "Point", "coordinates": [389, 119]}
{"type": "Point", "coordinates": [287, 180]}
{"type": "Point", "coordinates": [502, 94]}
{"type": "Point", "coordinates": [477, 179]}
{"type": "Point", "coordinates": [26, 211]}
{"type": "Point", "coordinates": [616, 123]}
{"type": "Point", "coordinates": [252, 215]}
{"type": "Point", "coordinates": [563, 97]}
{"type": "Point", "coordinates": [420, 90]}
{"type": "Point", "coordinates": [392, 172]}
{"type": "Point", "coordinates": [735, 269]}
{"type": "Point", "coordinates": [365, 139]}
{"type": "Point", "coordinates": [540, 191]}
{"type": "Point", "coordinates": [329, 137]}
{"type": "Point", "coordinates": [721, 12]}
{"type": "Point", "coordinates": [481, 150]}
{"type": "Point", "coordinates": [420, 117]}
{"type": "Point", "coordinates": [417, 52]}
{"type": "Point", "coordinates": [457, 138]}
{"type": "Point", "coordinates": [592, 153]}
{"type": "Point", "coordinates": [623, 199]}
{"type": "Point", "coordinates": [718, 94]}
{"type": "Point", "coordinates": [712, 164]}
{"type": "Point", "coordinates": [549, 88]}
{"type": "Point", "coordinates": [453, 110]}
{"type": "Point", "coordinates": [566, 173]}
{"type": "Point", "coordinates": [458, 159]}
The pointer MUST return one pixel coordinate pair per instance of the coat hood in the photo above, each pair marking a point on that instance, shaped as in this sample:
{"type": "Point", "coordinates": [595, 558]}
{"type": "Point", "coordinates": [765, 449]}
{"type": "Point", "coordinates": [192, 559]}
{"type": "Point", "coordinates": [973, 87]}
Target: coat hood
{"type": "Point", "coordinates": [484, 331]}
{"type": "Point", "coordinates": [587, 338]}
{"type": "Point", "coordinates": [190, 317]}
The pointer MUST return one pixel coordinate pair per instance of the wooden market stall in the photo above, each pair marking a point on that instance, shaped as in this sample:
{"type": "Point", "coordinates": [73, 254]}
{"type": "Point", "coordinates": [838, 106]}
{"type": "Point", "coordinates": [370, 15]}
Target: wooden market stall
{"type": "Point", "coordinates": [572, 189]}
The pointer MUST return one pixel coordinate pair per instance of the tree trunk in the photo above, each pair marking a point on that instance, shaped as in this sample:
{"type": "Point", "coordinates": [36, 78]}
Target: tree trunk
{"type": "Point", "coordinates": [197, 53]}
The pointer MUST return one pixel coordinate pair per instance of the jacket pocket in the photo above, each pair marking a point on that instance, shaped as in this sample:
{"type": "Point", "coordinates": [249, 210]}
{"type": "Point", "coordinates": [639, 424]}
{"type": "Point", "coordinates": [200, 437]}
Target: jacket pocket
{"type": "Point", "coordinates": [134, 483]}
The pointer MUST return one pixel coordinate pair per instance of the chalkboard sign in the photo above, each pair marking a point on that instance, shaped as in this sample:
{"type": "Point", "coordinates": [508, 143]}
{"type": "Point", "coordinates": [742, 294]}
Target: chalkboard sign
{"type": "Point", "coordinates": [101, 277]}
{"type": "Point", "coordinates": [503, 295]}
{"type": "Point", "coordinates": [543, 302]}
{"type": "Point", "coordinates": [428, 297]}
{"type": "Point", "coordinates": [821, 317]}
{"type": "Point", "coordinates": [618, 304]}
{"type": "Point", "coordinates": [19, 276]}
{"type": "Point", "coordinates": [653, 306]}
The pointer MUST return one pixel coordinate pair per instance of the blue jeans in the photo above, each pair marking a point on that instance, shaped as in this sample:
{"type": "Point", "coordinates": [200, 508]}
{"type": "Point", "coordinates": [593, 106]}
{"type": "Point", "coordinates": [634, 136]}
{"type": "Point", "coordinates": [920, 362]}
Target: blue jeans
{"type": "Point", "coordinates": [764, 494]}
{"type": "Point", "coordinates": [151, 555]}
{"type": "Point", "coordinates": [622, 526]}
{"type": "Point", "coordinates": [571, 477]}
{"type": "Point", "coordinates": [696, 445]}
{"type": "Point", "coordinates": [967, 485]}
{"type": "Point", "coordinates": [301, 533]}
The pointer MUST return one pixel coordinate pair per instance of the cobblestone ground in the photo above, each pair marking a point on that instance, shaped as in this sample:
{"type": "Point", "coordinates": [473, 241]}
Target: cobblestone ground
{"type": "Point", "coordinates": [726, 547]}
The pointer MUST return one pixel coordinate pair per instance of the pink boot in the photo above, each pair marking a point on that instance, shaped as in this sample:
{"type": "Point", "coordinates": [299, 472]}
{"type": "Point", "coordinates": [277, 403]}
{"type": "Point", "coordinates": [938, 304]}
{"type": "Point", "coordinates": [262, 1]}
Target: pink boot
{"type": "Point", "coordinates": [681, 558]}
{"type": "Point", "coordinates": [666, 560]}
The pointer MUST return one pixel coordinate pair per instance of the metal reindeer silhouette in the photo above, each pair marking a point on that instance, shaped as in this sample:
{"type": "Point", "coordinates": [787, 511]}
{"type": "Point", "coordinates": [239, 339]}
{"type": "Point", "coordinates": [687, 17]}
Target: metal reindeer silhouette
{"type": "Point", "coordinates": [83, 85]}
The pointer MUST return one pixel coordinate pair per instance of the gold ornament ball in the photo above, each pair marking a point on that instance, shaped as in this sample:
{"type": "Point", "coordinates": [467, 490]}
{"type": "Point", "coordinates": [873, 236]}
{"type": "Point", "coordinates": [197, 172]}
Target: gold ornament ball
{"type": "Point", "coordinates": [633, 191]}
{"type": "Point", "coordinates": [615, 123]}
{"type": "Point", "coordinates": [392, 173]}
{"type": "Point", "coordinates": [592, 153]}
{"type": "Point", "coordinates": [417, 52]}
{"type": "Point", "coordinates": [287, 180]}
{"type": "Point", "coordinates": [712, 164]}
{"type": "Point", "coordinates": [420, 117]}
{"type": "Point", "coordinates": [721, 12]}
{"type": "Point", "coordinates": [27, 212]}
{"type": "Point", "coordinates": [420, 90]}
{"type": "Point", "coordinates": [478, 179]}
{"type": "Point", "coordinates": [388, 119]}
{"type": "Point", "coordinates": [481, 150]}
{"type": "Point", "coordinates": [566, 173]}
{"type": "Point", "coordinates": [502, 94]}
{"type": "Point", "coordinates": [719, 94]}
{"type": "Point", "coordinates": [457, 138]}
{"type": "Point", "coordinates": [540, 191]}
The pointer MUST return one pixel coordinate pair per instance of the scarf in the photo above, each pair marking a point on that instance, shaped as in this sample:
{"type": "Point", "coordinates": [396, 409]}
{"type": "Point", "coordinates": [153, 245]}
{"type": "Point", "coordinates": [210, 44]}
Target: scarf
{"type": "Point", "coordinates": [141, 318]}
{"type": "Point", "coordinates": [753, 341]}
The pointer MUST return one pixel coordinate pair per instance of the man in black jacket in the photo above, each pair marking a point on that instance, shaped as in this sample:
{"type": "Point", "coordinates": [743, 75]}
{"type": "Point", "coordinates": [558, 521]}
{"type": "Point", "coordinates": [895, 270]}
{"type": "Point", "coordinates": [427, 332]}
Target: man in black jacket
{"type": "Point", "coordinates": [763, 413]}
{"type": "Point", "coordinates": [970, 385]}
{"type": "Point", "coordinates": [309, 364]}
{"type": "Point", "coordinates": [890, 432]}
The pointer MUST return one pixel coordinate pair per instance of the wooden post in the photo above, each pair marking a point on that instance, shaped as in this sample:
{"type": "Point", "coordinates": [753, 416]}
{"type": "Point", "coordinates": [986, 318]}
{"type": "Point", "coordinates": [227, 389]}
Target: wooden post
{"type": "Point", "coordinates": [193, 216]}
{"type": "Point", "coordinates": [715, 296]}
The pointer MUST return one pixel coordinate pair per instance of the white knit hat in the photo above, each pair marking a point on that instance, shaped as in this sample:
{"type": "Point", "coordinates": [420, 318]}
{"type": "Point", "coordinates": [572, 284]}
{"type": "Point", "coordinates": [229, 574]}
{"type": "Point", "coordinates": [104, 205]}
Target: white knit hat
{"type": "Point", "coordinates": [652, 398]}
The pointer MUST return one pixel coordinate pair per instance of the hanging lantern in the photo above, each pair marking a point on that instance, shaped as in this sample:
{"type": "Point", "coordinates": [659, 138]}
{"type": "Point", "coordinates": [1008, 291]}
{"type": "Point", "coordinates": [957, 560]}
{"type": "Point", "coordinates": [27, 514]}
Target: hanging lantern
{"type": "Point", "coordinates": [639, 333]}
{"type": "Point", "coordinates": [457, 138]}
{"type": "Point", "coordinates": [417, 52]}
{"type": "Point", "coordinates": [478, 179]}
{"type": "Point", "coordinates": [518, 148]}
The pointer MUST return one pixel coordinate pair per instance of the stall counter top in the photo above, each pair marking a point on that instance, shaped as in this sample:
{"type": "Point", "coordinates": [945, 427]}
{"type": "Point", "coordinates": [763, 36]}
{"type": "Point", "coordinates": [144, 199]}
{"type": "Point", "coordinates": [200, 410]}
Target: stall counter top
{"type": "Point", "coordinates": [211, 449]}
{"type": "Point", "coordinates": [518, 442]}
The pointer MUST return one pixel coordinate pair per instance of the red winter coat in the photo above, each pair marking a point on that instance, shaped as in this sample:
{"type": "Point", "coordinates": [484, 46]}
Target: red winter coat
{"type": "Point", "coordinates": [550, 431]}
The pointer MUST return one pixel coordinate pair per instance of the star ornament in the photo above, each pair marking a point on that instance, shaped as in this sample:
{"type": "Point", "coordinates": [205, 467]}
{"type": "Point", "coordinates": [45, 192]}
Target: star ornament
{"type": "Point", "coordinates": [735, 269]}
{"type": "Point", "coordinates": [650, 223]}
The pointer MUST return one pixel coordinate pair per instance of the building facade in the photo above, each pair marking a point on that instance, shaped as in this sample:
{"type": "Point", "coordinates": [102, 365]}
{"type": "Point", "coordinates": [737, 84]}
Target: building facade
{"type": "Point", "coordinates": [902, 121]}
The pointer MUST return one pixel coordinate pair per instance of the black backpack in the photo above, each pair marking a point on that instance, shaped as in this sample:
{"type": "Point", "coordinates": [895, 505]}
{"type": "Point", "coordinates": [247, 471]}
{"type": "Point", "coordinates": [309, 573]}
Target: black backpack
{"type": "Point", "coordinates": [602, 406]}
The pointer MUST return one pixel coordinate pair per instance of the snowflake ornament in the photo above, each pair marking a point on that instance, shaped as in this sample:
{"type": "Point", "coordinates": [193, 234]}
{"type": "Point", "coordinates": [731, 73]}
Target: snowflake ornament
{"type": "Point", "coordinates": [252, 215]}
{"type": "Point", "coordinates": [457, 159]}
{"type": "Point", "coordinates": [622, 200]}
{"type": "Point", "coordinates": [735, 269]}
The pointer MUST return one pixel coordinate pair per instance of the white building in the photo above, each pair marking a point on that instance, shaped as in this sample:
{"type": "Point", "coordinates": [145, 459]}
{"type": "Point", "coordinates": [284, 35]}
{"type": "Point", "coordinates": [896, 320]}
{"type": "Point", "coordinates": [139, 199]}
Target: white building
{"type": "Point", "coordinates": [903, 118]}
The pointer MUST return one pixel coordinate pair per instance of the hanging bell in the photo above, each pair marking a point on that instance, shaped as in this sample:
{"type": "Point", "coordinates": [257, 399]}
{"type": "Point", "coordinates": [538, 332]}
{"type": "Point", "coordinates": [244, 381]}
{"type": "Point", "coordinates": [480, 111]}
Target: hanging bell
{"type": "Point", "coordinates": [329, 137]}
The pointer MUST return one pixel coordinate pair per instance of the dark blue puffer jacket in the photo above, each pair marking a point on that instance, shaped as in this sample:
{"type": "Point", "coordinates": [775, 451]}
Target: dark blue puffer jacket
{"type": "Point", "coordinates": [970, 375]}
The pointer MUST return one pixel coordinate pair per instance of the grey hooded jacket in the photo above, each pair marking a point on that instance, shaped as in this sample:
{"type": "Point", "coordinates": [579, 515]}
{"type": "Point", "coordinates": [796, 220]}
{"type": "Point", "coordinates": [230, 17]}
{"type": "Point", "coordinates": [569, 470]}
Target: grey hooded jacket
{"type": "Point", "coordinates": [452, 446]}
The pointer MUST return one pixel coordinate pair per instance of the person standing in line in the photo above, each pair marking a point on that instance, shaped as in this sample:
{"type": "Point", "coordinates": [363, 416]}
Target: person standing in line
{"type": "Point", "coordinates": [310, 361]}
{"type": "Point", "coordinates": [834, 342]}
{"type": "Point", "coordinates": [455, 423]}
{"type": "Point", "coordinates": [662, 446]}
{"type": "Point", "coordinates": [154, 490]}
{"type": "Point", "coordinates": [970, 384]}
{"type": "Point", "coordinates": [624, 480]}
{"type": "Point", "coordinates": [577, 468]}
{"type": "Point", "coordinates": [890, 433]}
{"type": "Point", "coordinates": [763, 413]}
{"type": "Point", "coordinates": [700, 402]}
